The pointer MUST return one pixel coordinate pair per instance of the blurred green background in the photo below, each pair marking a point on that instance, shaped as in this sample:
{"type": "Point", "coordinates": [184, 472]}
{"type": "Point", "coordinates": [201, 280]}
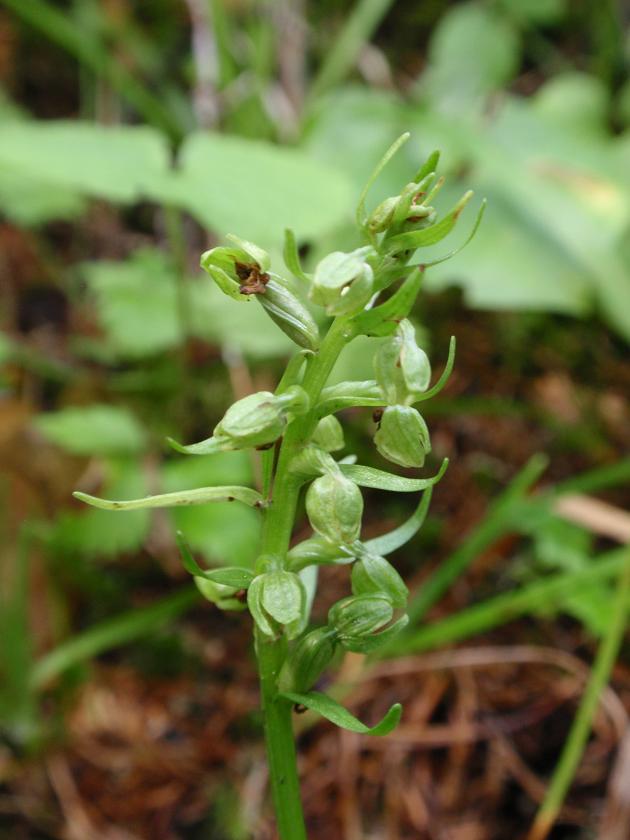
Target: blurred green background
{"type": "Point", "coordinates": [132, 137]}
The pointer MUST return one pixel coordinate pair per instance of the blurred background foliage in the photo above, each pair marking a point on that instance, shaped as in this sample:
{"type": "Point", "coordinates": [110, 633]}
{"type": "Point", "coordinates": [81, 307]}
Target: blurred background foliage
{"type": "Point", "coordinates": [132, 137]}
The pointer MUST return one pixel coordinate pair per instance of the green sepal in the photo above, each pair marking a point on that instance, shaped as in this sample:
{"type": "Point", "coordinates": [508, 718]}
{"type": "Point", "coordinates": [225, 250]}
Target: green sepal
{"type": "Point", "coordinates": [343, 282]}
{"type": "Point", "coordinates": [256, 254]}
{"type": "Point", "coordinates": [360, 615]}
{"type": "Point", "coordinates": [283, 597]}
{"type": "Point", "coordinates": [292, 257]}
{"type": "Point", "coordinates": [349, 394]}
{"type": "Point", "coordinates": [313, 461]}
{"type": "Point", "coordinates": [198, 496]}
{"type": "Point", "coordinates": [393, 540]}
{"type": "Point", "coordinates": [340, 716]}
{"type": "Point", "coordinates": [317, 551]}
{"type": "Point", "coordinates": [334, 506]}
{"type": "Point", "coordinates": [367, 644]}
{"type": "Point", "coordinates": [402, 436]}
{"type": "Point", "coordinates": [328, 434]}
{"type": "Point", "coordinates": [264, 621]}
{"type": "Point", "coordinates": [308, 659]}
{"type": "Point", "coordinates": [413, 239]}
{"type": "Point", "coordinates": [380, 480]}
{"type": "Point", "coordinates": [383, 319]}
{"type": "Point", "coordinates": [224, 597]}
{"type": "Point", "coordinates": [401, 368]}
{"type": "Point", "coordinates": [373, 575]}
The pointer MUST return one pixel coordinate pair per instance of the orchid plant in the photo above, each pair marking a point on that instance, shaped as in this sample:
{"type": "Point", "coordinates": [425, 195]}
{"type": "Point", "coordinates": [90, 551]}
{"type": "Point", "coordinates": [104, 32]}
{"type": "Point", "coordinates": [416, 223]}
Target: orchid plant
{"type": "Point", "coordinates": [367, 292]}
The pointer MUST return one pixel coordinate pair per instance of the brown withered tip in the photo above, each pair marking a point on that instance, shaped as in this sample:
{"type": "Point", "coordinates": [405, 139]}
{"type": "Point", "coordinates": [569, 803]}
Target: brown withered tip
{"type": "Point", "coordinates": [377, 414]}
{"type": "Point", "coordinates": [299, 709]}
{"type": "Point", "coordinates": [241, 595]}
{"type": "Point", "coordinates": [264, 446]}
{"type": "Point", "coordinates": [253, 280]}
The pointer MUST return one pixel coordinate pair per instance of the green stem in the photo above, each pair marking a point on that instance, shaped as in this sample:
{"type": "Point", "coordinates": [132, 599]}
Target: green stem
{"type": "Point", "coordinates": [277, 529]}
{"type": "Point", "coordinates": [580, 730]}
{"type": "Point", "coordinates": [285, 783]}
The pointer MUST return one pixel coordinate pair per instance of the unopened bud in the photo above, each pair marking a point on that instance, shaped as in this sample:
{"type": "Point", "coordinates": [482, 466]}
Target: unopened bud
{"type": "Point", "coordinates": [403, 436]}
{"type": "Point", "coordinates": [334, 505]}
{"type": "Point", "coordinates": [381, 217]}
{"type": "Point", "coordinates": [343, 282]}
{"type": "Point", "coordinates": [259, 418]}
{"type": "Point", "coordinates": [225, 597]}
{"type": "Point", "coordinates": [310, 657]}
{"type": "Point", "coordinates": [290, 314]}
{"type": "Point", "coordinates": [277, 599]}
{"type": "Point", "coordinates": [360, 615]}
{"type": "Point", "coordinates": [402, 369]}
{"type": "Point", "coordinates": [373, 575]}
{"type": "Point", "coordinates": [317, 551]}
{"type": "Point", "coordinates": [328, 434]}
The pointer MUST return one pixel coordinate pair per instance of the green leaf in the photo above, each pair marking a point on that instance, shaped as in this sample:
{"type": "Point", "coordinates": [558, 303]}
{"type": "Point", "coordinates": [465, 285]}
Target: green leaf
{"type": "Point", "coordinates": [473, 51]}
{"type": "Point", "coordinates": [371, 477]}
{"type": "Point", "coordinates": [372, 574]}
{"type": "Point", "coordinates": [428, 236]}
{"type": "Point", "coordinates": [120, 163]}
{"type": "Point", "coordinates": [198, 496]}
{"type": "Point", "coordinates": [136, 302]}
{"type": "Point", "coordinates": [235, 576]}
{"type": "Point", "coordinates": [259, 189]}
{"type": "Point", "coordinates": [337, 714]}
{"type": "Point", "coordinates": [383, 319]}
{"type": "Point", "coordinates": [93, 430]}
{"type": "Point", "coordinates": [448, 368]}
{"type": "Point", "coordinates": [389, 154]}
{"type": "Point", "coordinates": [387, 543]}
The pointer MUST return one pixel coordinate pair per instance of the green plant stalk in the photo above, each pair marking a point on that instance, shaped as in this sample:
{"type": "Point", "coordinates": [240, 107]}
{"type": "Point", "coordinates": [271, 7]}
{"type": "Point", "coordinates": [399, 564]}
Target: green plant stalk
{"type": "Point", "coordinates": [574, 746]}
{"type": "Point", "coordinates": [277, 528]}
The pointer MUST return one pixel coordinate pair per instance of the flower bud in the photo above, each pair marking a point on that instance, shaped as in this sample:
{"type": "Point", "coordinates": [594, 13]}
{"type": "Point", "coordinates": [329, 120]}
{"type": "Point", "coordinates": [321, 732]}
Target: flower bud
{"type": "Point", "coordinates": [334, 505]}
{"type": "Point", "coordinates": [328, 434]}
{"type": "Point", "coordinates": [343, 282]}
{"type": "Point", "coordinates": [238, 271]}
{"type": "Point", "coordinates": [309, 658]}
{"type": "Point", "coordinates": [276, 599]}
{"type": "Point", "coordinates": [252, 421]}
{"type": "Point", "coordinates": [316, 551]}
{"type": "Point", "coordinates": [381, 217]}
{"type": "Point", "coordinates": [401, 368]}
{"type": "Point", "coordinates": [225, 597]}
{"type": "Point", "coordinates": [259, 418]}
{"type": "Point", "coordinates": [372, 574]}
{"type": "Point", "coordinates": [403, 436]}
{"type": "Point", "coordinates": [360, 615]}
{"type": "Point", "coordinates": [290, 314]}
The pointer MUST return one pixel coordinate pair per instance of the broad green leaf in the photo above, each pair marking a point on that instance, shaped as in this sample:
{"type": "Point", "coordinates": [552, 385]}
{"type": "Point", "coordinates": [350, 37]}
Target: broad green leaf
{"type": "Point", "coordinates": [198, 496]}
{"type": "Point", "coordinates": [120, 163]}
{"type": "Point", "coordinates": [93, 430]}
{"type": "Point", "coordinates": [536, 11]}
{"type": "Point", "coordinates": [473, 51]}
{"type": "Point", "coordinates": [259, 189]}
{"type": "Point", "coordinates": [337, 714]}
{"type": "Point", "coordinates": [371, 477]}
{"type": "Point", "coordinates": [137, 303]}
{"type": "Point", "coordinates": [28, 200]}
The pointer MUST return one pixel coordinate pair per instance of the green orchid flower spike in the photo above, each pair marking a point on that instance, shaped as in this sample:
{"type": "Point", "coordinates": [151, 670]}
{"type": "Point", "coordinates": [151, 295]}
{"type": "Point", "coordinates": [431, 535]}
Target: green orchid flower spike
{"type": "Point", "coordinates": [368, 291]}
